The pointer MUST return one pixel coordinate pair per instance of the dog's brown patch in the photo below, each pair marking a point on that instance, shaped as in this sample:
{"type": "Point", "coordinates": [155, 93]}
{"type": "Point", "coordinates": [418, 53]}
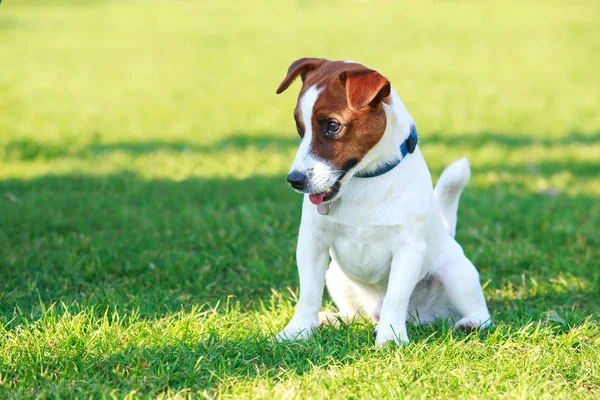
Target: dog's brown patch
{"type": "Point", "coordinates": [352, 95]}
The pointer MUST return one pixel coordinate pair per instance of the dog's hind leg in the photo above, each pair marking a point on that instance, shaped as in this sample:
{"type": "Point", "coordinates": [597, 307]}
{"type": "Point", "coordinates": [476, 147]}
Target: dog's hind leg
{"type": "Point", "coordinates": [461, 281]}
{"type": "Point", "coordinates": [344, 295]}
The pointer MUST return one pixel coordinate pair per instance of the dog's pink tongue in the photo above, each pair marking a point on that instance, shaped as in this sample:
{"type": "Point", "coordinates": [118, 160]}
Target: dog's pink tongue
{"type": "Point", "coordinates": [316, 198]}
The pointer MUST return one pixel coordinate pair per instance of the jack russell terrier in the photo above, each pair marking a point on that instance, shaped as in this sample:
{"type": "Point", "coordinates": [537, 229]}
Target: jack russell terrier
{"type": "Point", "coordinates": [371, 208]}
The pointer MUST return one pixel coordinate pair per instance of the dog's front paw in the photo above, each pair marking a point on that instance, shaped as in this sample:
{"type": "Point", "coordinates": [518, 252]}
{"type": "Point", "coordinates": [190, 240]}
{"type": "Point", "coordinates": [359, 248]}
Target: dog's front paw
{"type": "Point", "coordinates": [471, 324]}
{"type": "Point", "coordinates": [294, 332]}
{"type": "Point", "coordinates": [386, 333]}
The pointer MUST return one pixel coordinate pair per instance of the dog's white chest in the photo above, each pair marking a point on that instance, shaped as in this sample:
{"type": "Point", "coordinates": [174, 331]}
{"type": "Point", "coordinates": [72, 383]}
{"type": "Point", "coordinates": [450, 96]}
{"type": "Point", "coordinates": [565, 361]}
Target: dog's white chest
{"type": "Point", "coordinates": [365, 253]}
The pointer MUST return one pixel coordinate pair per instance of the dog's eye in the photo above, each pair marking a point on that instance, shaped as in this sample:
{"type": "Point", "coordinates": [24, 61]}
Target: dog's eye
{"type": "Point", "coordinates": [333, 128]}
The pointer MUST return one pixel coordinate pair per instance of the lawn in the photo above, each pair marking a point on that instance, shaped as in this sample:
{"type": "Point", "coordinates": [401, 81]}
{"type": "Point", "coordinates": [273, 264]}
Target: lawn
{"type": "Point", "coordinates": [147, 233]}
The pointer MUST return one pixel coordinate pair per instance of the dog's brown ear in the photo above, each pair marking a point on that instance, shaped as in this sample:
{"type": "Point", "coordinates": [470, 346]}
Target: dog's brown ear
{"type": "Point", "coordinates": [299, 67]}
{"type": "Point", "coordinates": [364, 87]}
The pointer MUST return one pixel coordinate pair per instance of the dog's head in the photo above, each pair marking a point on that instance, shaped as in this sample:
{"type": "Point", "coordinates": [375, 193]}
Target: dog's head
{"type": "Point", "coordinates": [339, 116]}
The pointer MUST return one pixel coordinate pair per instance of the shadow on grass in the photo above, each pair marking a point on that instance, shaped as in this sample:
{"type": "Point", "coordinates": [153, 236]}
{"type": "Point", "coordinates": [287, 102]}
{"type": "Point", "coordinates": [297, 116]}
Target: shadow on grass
{"type": "Point", "coordinates": [235, 141]}
{"type": "Point", "coordinates": [27, 149]}
{"type": "Point", "coordinates": [587, 169]}
{"type": "Point", "coordinates": [584, 169]}
{"type": "Point", "coordinates": [124, 242]}
{"type": "Point", "coordinates": [510, 140]}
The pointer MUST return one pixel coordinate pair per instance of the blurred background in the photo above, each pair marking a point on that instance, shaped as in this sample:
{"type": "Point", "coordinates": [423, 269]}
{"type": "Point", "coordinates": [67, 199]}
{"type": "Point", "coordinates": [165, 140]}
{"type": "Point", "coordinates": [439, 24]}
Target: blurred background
{"type": "Point", "coordinates": [143, 150]}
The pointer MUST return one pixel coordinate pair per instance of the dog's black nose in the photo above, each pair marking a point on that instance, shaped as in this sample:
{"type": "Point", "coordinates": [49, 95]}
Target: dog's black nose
{"type": "Point", "coordinates": [297, 179]}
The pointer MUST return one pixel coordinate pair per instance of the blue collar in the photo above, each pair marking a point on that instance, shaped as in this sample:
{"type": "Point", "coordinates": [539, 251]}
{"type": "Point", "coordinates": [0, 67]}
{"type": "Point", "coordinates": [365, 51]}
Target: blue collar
{"type": "Point", "coordinates": [406, 148]}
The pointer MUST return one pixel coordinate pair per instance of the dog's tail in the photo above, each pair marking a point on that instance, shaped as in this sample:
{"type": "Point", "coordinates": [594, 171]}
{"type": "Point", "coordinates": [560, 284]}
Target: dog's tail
{"type": "Point", "coordinates": [448, 189]}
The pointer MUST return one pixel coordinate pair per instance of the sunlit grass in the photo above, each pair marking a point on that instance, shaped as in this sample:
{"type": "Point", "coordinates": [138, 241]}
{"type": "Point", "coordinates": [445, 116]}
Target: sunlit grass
{"type": "Point", "coordinates": [147, 232]}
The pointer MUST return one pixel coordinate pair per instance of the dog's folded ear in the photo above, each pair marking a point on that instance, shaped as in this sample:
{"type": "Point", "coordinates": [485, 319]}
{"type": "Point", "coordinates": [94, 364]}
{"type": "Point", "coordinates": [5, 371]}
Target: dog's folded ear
{"type": "Point", "coordinates": [299, 67]}
{"type": "Point", "coordinates": [364, 87]}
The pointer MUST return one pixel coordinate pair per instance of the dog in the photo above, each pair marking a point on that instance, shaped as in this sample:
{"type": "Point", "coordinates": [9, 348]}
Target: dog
{"type": "Point", "coordinates": [370, 211]}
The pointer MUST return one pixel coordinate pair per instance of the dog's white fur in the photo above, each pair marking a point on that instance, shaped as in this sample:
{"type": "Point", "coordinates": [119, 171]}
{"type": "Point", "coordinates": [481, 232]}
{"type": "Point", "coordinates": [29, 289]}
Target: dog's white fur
{"type": "Point", "coordinates": [390, 239]}
{"type": "Point", "coordinates": [322, 174]}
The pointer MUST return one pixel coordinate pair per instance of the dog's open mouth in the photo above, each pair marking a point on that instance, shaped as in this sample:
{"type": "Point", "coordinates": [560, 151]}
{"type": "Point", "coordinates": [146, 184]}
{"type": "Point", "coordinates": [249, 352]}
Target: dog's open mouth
{"type": "Point", "coordinates": [329, 194]}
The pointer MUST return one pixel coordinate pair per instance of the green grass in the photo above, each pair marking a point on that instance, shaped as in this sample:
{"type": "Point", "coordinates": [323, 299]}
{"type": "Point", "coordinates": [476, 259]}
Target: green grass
{"type": "Point", "coordinates": [147, 231]}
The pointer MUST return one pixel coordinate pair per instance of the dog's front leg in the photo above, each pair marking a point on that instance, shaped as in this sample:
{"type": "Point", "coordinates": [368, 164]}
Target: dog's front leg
{"type": "Point", "coordinates": [405, 272]}
{"type": "Point", "coordinates": [312, 258]}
